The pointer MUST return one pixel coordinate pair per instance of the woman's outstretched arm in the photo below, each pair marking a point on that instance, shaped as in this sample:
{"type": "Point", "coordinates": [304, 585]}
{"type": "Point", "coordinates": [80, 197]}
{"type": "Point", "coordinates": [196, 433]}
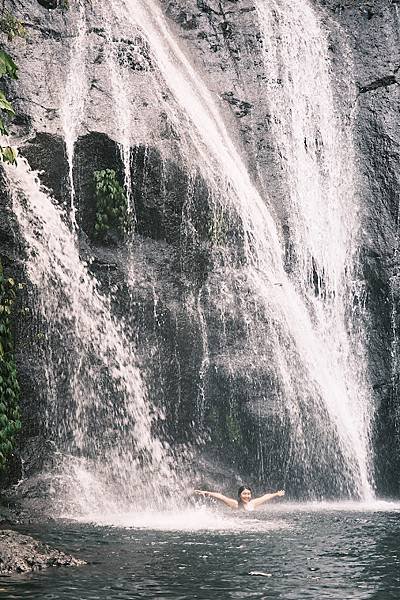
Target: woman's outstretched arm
{"type": "Point", "coordinates": [262, 499]}
{"type": "Point", "coordinates": [228, 501]}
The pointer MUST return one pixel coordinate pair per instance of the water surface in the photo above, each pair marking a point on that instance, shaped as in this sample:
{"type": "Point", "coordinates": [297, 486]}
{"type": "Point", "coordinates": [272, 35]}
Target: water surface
{"type": "Point", "coordinates": [288, 552]}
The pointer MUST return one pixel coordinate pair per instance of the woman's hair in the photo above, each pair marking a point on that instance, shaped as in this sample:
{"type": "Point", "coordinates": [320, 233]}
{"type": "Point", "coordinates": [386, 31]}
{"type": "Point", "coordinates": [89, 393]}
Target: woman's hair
{"type": "Point", "coordinates": [240, 490]}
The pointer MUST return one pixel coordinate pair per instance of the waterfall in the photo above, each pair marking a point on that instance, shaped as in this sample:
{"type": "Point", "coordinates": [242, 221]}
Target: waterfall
{"type": "Point", "coordinates": [299, 324]}
{"type": "Point", "coordinates": [102, 413]}
{"type": "Point", "coordinates": [314, 140]}
{"type": "Point", "coordinates": [315, 381]}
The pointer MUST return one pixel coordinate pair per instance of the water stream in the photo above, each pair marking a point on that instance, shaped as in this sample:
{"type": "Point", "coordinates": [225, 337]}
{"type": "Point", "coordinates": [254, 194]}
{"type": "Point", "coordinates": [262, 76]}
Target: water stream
{"type": "Point", "coordinates": [73, 103]}
{"type": "Point", "coordinates": [313, 137]}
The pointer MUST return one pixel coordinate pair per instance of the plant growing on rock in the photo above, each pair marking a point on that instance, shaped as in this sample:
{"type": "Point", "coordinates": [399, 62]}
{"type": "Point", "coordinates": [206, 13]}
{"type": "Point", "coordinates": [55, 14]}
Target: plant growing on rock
{"type": "Point", "coordinates": [10, 419]}
{"type": "Point", "coordinates": [11, 27]}
{"type": "Point", "coordinates": [7, 69]}
{"type": "Point", "coordinates": [112, 214]}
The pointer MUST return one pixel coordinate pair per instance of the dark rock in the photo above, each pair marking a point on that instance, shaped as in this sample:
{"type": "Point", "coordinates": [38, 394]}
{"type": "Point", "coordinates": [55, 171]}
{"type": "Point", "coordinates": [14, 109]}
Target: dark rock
{"type": "Point", "coordinates": [21, 553]}
{"type": "Point", "coordinates": [93, 152]}
{"type": "Point", "coordinates": [46, 153]}
{"type": "Point", "coordinates": [187, 21]}
{"type": "Point", "coordinates": [54, 3]}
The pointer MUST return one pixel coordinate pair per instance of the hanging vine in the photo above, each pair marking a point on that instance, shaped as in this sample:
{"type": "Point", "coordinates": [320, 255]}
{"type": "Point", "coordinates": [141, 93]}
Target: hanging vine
{"type": "Point", "coordinates": [10, 418]}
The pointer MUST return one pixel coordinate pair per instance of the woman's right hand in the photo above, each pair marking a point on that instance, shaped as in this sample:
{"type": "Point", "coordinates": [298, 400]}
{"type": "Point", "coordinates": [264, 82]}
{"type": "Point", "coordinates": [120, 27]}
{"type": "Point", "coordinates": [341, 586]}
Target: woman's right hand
{"type": "Point", "coordinates": [201, 493]}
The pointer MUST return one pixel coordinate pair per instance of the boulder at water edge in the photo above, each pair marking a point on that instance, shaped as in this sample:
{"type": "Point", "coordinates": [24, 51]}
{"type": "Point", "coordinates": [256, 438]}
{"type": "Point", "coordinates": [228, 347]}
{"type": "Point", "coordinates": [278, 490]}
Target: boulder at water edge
{"type": "Point", "coordinates": [22, 553]}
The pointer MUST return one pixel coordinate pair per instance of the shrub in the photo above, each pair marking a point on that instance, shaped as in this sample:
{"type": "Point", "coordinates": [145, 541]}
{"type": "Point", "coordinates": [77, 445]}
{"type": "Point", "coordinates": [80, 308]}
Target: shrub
{"type": "Point", "coordinates": [112, 213]}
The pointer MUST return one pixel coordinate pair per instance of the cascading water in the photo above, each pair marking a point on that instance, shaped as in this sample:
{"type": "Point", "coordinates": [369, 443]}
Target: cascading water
{"type": "Point", "coordinates": [315, 143]}
{"type": "Point", "coordinates": [293, 329]}
{"type": "Point", "coordinates": [122, 111]}
{"type": "Point", "coordinates": [102, 414]}
{"type": "Point", "coordinates": [316, 376]}
{"type": "Point", "coordinates": [73, 105]}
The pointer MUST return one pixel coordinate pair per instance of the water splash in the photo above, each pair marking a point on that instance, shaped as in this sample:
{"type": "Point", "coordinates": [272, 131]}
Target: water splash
{"type": "Point", "coordinates": [211, 519]}
{"type": "Point", "coordinates": [186, 519]}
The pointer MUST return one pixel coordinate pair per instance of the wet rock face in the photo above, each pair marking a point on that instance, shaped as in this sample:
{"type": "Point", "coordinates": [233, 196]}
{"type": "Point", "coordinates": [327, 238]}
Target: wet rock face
{"type": "Point", "coordinates": [21, 554]}
{"type": "Point", "coordinates": [46, 153]}
{"type": "Point", "coordinates": [53, 3]}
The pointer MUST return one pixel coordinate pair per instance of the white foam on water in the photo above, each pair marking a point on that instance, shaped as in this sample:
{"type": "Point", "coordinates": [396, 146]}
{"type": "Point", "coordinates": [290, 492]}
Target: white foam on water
{"type": "Point", "coordinates": [375, 505]}
{"type": "Point", "coordinates": [187, 519]}
{"type": "Point", "coordinates": [201, 518]}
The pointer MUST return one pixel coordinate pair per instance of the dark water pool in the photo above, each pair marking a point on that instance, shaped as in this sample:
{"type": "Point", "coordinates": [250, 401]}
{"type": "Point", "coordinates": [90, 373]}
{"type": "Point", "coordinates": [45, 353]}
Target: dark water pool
{"type": "Point", "coordinates": [288, 554]}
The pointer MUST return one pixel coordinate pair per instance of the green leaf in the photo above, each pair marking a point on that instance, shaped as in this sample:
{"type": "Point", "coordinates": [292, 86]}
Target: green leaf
{"type": "Point", "coordinates": [7, 66]}
{"type": "Point", "coordinates": [3, 128]}
{"type": "Point", "coordinates": [8, 155]}
{"type": "Point", "coordinates": [5, 104]}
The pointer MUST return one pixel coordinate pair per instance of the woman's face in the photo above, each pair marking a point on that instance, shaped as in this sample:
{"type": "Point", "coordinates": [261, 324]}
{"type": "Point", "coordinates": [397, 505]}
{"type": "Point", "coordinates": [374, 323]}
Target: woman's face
{"type": "Point", "coordinates": [245, 496]}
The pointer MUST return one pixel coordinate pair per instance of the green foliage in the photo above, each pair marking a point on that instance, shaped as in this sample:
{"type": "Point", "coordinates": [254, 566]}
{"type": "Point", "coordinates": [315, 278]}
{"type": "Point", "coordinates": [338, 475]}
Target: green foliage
{"type": "Point", "coordinates": [111, 205]}
{"type": "Point", "coordinates": [11, 26]}
{"type": "Point", "coordinates": [7, 66]}
{"type": "Point", "coordinates": [10, 418]}
{"type": "Point", "coordinates": [5, 105]}
{"type": "Point", "coordinates": [8, 155]}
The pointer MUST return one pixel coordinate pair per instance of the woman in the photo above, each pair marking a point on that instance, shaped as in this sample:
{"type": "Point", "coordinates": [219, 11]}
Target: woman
{"type": "Point", "coordinates": [244, 501]}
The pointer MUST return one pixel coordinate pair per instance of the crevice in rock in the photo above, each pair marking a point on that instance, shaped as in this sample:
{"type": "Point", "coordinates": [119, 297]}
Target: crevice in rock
{"type": "Point", "coordinates": [379, 83]}
{"type": "Point", "coordinates": [203, 6]}
{"type": "Point", "coordinates": [48, 33]}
